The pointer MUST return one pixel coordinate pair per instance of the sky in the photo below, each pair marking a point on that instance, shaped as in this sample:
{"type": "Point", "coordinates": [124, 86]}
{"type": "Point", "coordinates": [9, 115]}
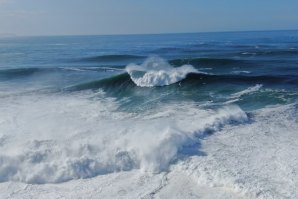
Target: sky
{"type": "Point", "coordinates": [95, 17]}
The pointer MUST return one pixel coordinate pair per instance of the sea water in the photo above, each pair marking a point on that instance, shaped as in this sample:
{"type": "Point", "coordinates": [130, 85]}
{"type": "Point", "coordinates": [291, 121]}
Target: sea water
{"type": "Point", "coordinates": [220, 107]}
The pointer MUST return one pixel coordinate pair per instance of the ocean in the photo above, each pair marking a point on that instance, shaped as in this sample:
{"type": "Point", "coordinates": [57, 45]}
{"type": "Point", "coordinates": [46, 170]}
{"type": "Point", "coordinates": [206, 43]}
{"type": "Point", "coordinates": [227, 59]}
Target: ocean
{"type": "Point", "coordinates": [194, 115]}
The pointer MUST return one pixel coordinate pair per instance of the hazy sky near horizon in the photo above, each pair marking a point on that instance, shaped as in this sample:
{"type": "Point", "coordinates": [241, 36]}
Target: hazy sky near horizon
{"type": "Point", "coordinates": [77, 17]}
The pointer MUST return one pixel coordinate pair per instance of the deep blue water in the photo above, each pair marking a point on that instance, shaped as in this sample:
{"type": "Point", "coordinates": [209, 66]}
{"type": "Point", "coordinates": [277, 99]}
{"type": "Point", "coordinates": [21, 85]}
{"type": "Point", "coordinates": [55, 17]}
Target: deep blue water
{"type": "Point", "coordinates": [251, 69]}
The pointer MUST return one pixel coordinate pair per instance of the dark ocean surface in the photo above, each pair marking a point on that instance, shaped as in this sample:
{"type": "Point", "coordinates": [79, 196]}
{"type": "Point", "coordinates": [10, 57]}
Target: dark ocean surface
{"type": "Point", "coordinates": [265, 63]}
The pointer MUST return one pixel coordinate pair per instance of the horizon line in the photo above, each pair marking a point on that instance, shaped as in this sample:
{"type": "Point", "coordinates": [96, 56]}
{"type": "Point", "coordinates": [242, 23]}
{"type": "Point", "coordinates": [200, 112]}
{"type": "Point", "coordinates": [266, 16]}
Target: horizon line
{"type": "Point", "coordinates": [12, 35]}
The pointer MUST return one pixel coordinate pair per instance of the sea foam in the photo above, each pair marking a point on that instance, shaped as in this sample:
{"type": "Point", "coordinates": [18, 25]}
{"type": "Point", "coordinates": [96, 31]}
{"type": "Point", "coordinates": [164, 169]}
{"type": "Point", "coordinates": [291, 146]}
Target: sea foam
{"type": "Point", "coordinates": [52, 139]}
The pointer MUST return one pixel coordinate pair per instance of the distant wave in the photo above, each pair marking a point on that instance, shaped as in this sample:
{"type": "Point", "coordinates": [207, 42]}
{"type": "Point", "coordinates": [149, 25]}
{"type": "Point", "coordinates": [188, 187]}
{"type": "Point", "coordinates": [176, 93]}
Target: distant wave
{"type": "Point", "coordinates": [208, 62]}
{"type": "Point", "coordinates": [17, 73]}
{"type": "Point", "coordinates": [115, 68]}
{"type": "Point", "coordinates": [230, 78]}
{"type": "Point", "coordinates": [272, 52]}
{"type": "Point", "coordinates": [8, 74]}
{"type": "Point", "coordinates": [197, 61]}
{"type": "Point", "coordinates": [111, 58]}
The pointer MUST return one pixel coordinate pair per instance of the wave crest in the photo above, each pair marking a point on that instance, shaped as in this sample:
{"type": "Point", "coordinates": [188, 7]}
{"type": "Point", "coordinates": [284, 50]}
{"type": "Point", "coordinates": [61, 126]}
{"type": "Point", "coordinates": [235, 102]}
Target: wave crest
{"type": "Point", "coordinates": [156, 71]}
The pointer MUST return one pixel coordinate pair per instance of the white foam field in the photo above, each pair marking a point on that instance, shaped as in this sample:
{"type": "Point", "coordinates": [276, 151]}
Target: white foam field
{"type": "Point", "coordinates": [85, 144]}
{"type": "Point", "coordinates": [49, 139]}
{"type": "Point", "coordinates": [156, 71]}
{"type": "Point", "coordinates": [258, 160]}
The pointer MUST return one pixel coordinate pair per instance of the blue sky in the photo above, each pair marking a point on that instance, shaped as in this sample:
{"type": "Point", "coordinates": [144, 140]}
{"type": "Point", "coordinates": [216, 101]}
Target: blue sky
{"type": "Point", "coordinates": [80, 17]}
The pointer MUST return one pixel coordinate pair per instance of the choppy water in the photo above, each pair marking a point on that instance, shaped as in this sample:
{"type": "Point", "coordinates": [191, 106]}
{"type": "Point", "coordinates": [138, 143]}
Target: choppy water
{"type": "Point", "coordinates": [81, 106]}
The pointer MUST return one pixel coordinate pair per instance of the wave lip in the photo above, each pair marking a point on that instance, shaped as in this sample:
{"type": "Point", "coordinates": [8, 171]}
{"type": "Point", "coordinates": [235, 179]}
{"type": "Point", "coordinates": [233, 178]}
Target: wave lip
{"type": "Point", "coordinates": [156, 71]}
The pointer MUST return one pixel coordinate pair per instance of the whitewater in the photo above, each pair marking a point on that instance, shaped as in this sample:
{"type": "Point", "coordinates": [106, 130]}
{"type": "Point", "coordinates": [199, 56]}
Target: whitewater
{"type": "Point", "coordinates": [156, 71]}
{"type": "Point", "coordinates": [150, 119]}
{"type": "Point", "coordinates": [73, 137]}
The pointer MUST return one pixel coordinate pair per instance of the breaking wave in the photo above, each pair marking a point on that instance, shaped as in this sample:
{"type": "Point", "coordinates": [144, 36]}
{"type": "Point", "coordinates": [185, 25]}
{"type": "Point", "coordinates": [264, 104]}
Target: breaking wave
{"type": "Point", "coordinates": [72, 137]}
{"type": "Point", "coordinates": [156, 71]}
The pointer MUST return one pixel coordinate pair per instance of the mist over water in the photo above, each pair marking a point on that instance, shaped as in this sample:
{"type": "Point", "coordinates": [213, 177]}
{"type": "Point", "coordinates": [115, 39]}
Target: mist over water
{"type": "Point", "coordinates": [216, 106]}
